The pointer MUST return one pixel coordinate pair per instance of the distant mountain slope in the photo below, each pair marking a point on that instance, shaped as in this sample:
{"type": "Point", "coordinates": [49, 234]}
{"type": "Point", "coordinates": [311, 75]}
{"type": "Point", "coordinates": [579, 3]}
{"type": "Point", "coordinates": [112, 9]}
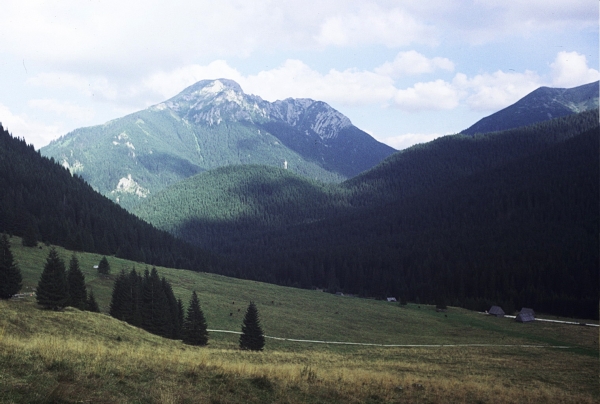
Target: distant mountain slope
{"type": "Point", "coordinates": [41, 200]}
{"type": "Point", "coordinates": [540, 105]}
{"type": "Point", "coordinates": [211, 124]}
{"type": "Point", "coordinates": [218, 207]}
{"type": "Point", "coordinates": [474, 219]}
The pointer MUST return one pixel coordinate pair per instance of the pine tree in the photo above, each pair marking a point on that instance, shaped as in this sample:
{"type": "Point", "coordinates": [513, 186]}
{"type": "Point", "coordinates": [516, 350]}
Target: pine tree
{"type": "Point", "coordinates": [135, 293]}
{"type": "Point", "coordinates": [180, 317]}
{"type": "Point", "coordinates": [154, 308]}
{"type": "Point", "coordinates": [76, 282]}
{"type": "Point", "coordinates": [194, 326]}
{"type": "Point", "coordinates": [52, 290]}
{"type": "Point", "coordinates": [252, 337]}
{"type": "Point", "coordinates": [91, 303]}
{"type": "Point", "coordinates": [103, 267]}
{"type": "Point", "coordinates": [174, 324]}
{"type": "Point", "coordinates": [10, 274]}
{"type": "Point", "coordinates": [121, 304]}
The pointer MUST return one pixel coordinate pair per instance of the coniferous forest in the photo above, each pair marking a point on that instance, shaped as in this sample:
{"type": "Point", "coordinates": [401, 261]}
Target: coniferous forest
{"type": "Point", "coordinates": [42, 202]}
{"type": "Point", "coordinates": [506, 218]}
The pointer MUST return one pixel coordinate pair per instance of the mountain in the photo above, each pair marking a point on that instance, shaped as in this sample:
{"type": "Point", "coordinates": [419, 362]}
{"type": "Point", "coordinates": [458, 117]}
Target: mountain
{"type": "Point", "coordinates": [540, 105]}
{"type": "Point", "coordinates": [42, 201]}
{"type": "Point", "coordinates": [212, 124]}
{"type": "Point", "coordinates": [491, 218]}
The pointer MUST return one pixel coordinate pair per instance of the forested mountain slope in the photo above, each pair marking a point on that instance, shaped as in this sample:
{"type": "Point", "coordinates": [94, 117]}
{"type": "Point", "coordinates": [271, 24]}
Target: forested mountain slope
{"type": "Point", "coordinates": [502, 217]}
{"type": "Point", "coordinates": [540, 105]}
{"type": "Point", "coordinates": [230, 204]}
{"type": "Point", "coordinates": [212, 124]}
{"type": "Point", "coordinates": [42, 201]}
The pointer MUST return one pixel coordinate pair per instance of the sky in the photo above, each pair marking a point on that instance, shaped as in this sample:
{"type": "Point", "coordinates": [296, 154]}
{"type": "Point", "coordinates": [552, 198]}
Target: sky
{"type": "Point", "coordinates": [404, 71]}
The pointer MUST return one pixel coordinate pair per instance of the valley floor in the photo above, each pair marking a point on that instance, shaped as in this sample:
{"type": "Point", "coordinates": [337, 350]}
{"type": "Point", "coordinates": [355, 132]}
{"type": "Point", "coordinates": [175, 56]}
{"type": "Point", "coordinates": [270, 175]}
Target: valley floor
{"type": "Point", "coordinates": [74, 356]}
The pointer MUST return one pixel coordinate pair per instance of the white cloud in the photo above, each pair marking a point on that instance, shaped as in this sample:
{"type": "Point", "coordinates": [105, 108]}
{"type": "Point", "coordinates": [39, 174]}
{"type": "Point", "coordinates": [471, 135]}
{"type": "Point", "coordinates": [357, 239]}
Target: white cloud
{"type": "Point", "coordinates": [413, 63]}
{"type": "Point", "coordinates": [570, 69]}
{"type": "Point", "coordinates": [296, 79]}
{"type": "Point", "coordinates": [168, 84]}
{"type": "Point", "coordinates": [372, 24]}
{"type": "Point", "coordinates": [72, 111]}
{"type": "Point", "coordinates": [22, 126]}
{"type": "Point", "coordinates": [433, 95]}
{"type": "Point", "coordinates": [403, 141]}
{"type": "Point", "coordinates": [488, 92]}
{"type": "Point", "coordinates": [485, 21]}
{"type": "Point", "coordinates": [89, 85]}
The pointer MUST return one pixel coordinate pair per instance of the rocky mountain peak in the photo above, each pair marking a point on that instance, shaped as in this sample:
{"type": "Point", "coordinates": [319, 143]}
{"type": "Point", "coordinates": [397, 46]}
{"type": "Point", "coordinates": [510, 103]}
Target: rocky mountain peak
{"type": "Point", "coordinates": [212, 102]}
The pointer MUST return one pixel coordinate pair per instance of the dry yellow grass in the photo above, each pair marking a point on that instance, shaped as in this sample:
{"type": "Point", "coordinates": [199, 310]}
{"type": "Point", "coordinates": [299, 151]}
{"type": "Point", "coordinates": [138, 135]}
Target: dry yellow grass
{"type": "Point", "coordinates": [75, 356]}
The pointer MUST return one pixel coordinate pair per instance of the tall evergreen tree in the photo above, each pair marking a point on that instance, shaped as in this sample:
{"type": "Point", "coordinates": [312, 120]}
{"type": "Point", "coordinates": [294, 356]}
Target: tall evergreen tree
{"type": "Point", "coordinates": [194, 326]}
{"type": "Point", "coordinates": [10, 274]}
{"type": "Point", "coordinates": [154, 308]}
{"type": "Point", "coordinates": [174, 331]}
{"type": "Point", "coordinates": [52, 290]}
{"type": "Point", "coordinates": [76, 282]}
{"type": "Point", "coordinates": [92, 305]}
{"type": "Point", "coordinates": [121, 304]}
{"type": "Point", "coordinates": [135, 293]}
{"type": "Point", "coordinates": [252, 337]}
{"type": "Point", "coordinates": [103, 267]}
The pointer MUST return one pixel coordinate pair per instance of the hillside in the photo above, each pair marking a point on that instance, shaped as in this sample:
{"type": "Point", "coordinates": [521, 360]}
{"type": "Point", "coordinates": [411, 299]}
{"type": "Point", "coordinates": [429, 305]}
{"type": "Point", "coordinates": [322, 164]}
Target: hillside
{"type": "Point", "coordinates": [43, 202]}
{"type": "Point", "coordinates": [540, 105]}
{"type": "Point", "coordinates": [71, 356]}
{"type": "Point", "coordinates": [212, 124]}
{"type": "Point", "coordinates": [473, 220]}
{"type": "Point", "coordinates": [233, 203]}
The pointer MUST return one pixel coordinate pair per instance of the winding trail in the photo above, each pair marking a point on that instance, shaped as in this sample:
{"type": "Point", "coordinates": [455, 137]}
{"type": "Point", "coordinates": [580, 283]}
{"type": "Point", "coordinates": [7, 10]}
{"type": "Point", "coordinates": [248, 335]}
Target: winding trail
{"type": "Point", "coordinates": [402, 345]}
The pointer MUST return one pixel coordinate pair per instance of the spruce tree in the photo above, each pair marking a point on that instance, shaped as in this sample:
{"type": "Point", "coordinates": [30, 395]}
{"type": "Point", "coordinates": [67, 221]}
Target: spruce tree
{"type": "Point", "coordinates": [103, 267]}
{"type": "Point", "coordinates": [76, 282]}
{"type": "Point", "coordinates": [52, 290]}
{"type": "Point", "coordinates": [252, 337]}
{"type": "Point", "coordinates": [10, 274]}
{"type": "Point", "coordinates": [121, 304]}
{"type": "Point", "coordinates": [135, 293]}
{"type": "Point", "coordinates": [194, 326]}
{"type": "Point", "coordinates": [92, 305]}
{"type": "Point", "coordinates": [155, 308]}
{"type": "Point", "coordinates": [174, 331]}
{"type": "Point", "coordinates": [180, 317]}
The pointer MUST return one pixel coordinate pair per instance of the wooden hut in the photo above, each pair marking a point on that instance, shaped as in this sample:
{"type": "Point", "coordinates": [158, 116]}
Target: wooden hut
{"type": "Point", "coordinates": [525, 315]}
{"type": "Point", "coordinates": [496, 311]}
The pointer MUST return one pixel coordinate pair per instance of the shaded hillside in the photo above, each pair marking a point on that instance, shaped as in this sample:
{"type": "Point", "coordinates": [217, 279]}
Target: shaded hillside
{"type": "Point", "coordinates": [230, 204]}
{"type": "Point", "coordinates": [41, 201]}
{"type": "Point", "coordinates": [495, 217]}
{"type": "Point", "coordinates": [540, 105]}
{"type": "Point", "coordinates": [523, 234]}
{"type": "Point", "coordinates": [212, 124]}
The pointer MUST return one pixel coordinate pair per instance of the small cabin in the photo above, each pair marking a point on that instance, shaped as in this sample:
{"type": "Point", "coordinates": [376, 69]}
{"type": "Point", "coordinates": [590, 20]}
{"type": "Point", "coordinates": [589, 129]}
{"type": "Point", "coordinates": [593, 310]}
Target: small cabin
{"type": "Point", "coordinates": [527, 310]}
{"type": "Point", "coordinates": [496, 311]}
{"type": "Point", "coordinates": [525, 315]}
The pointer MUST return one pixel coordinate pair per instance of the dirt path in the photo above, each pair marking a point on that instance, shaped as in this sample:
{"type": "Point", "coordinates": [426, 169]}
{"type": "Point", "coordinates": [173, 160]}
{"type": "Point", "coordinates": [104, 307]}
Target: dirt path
{"type": "Point", "coordinates": [400, 345]}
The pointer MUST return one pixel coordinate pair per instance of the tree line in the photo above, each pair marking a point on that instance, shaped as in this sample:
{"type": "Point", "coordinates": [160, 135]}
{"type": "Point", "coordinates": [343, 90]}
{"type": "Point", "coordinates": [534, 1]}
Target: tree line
{"type": "Point", "coordinates": [41, 201]}
{"type": "Point", "coordinates": [147, 301]}
{"type": "Point", "coordinates": [505, 218]}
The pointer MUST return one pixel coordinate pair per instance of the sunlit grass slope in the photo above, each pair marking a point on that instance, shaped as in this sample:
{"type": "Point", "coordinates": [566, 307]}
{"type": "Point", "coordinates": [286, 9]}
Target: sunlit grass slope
{"type": "Point", "coordinates": [74, 356]}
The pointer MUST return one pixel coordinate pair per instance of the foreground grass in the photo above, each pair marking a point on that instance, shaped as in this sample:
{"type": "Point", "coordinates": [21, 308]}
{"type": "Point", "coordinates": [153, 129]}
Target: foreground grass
{"type": "Point", "coordinates": [74, 356]}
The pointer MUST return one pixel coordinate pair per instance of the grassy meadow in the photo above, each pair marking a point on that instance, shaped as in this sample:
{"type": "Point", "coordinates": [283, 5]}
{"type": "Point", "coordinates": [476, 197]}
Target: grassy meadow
{"type": "Point", "coordinates": [75, 357]}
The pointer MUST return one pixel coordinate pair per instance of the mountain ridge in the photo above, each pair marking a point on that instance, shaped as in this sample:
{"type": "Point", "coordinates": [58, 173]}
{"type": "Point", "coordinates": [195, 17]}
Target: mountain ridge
{"type": "Point", "coordinates": [210, 124]}
{"type": "Point", "coordinates": [540, 105]}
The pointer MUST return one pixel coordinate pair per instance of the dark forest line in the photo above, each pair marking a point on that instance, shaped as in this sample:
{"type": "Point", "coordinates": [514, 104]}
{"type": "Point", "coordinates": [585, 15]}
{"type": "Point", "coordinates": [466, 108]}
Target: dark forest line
{"type": "Point", "coordinates": [508, 218]}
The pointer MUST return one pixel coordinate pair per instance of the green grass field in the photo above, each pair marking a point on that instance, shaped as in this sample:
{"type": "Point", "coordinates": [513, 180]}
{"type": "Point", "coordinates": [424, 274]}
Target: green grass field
{"type": "Point", "coordinates": [74, 356]}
